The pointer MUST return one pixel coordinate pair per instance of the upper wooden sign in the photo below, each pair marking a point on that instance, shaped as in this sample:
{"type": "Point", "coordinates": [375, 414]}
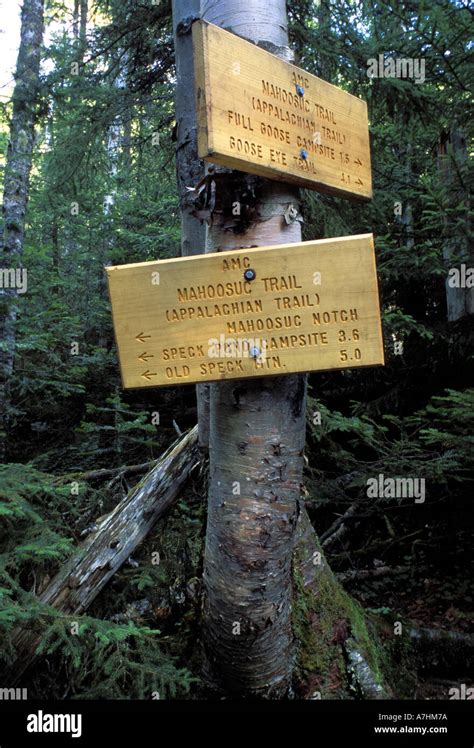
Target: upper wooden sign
{"type": "Point", "coordinates": [248, 313]}
{"type": "Point", "coordinates": [260, 114]}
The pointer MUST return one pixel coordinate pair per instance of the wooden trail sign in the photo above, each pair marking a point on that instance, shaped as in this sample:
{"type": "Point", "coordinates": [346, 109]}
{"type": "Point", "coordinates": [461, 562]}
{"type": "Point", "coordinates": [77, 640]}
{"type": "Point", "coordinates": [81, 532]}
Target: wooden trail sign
{"type": "Point", "coordinates": [248, 313]}
{"type": "Point", "coordinates": [262, 115]}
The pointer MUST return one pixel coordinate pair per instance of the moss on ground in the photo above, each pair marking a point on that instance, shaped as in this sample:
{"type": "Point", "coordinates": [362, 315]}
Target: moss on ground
{"type": "Point", "coordinates": [324, 617]}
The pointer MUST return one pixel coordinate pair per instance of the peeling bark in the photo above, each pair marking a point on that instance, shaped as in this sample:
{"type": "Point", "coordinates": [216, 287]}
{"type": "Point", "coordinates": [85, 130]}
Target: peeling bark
{"type": "Point", "coordinates": [263, 22]}
{"type": "Point", "coordinates": [256, 464]}
{"type": "Point", "coordinates": [89, 569]}
{"type": "Point", "coordinates": [257, 434]}
{"type": "Point", "coordinates": [361, 676]}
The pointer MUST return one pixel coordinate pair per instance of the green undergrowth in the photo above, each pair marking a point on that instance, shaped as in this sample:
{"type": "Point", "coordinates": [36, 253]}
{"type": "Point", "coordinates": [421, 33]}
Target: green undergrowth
{"type": "Point", "coordinates": [139, 638]}
{"type": "Point", "coordinates": [324, 617]}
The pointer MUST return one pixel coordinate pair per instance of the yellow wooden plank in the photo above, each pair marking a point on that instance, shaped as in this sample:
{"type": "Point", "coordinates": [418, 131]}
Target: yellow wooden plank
{"type": "Point", "coordinates": [312, 306]}
{"type": "Point", "coordinates": [251, 117]}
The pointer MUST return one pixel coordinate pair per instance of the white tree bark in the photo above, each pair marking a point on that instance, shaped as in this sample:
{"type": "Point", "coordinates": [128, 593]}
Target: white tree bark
{"type": "Point", "coordinates": [256, 442]}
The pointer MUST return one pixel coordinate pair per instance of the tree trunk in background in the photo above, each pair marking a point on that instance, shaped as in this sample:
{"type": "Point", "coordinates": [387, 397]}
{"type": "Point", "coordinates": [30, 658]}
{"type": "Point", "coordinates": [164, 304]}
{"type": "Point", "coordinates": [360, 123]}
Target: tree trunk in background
{"type": "Point", "coordinates": [189, 168]}
{"type": "Point", "coordinates": [75, 20]}
{"type": "Point", "coordinates": [257, 436]}
{"type": "Point", "coordinates": [16, 188]}
{"type": "Point", "coordinates": [83, 24]}
{"type": "Point", "coordinates": [452, 160]}
{"type": "Point", "coordinates": [79, 24]}
{"type": "Point", "coordinates": [406, 156]}
{"type": "Point", "coordinates": [324, 22]}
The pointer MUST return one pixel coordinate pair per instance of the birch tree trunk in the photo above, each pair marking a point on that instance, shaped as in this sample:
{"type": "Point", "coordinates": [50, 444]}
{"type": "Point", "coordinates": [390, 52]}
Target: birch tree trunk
{"type": "Point", "coordinates": [189, 167]}
{"type": "Point", "coordinates": [257, 439]}
{"type": "Point", "coordinates": [16, 188]}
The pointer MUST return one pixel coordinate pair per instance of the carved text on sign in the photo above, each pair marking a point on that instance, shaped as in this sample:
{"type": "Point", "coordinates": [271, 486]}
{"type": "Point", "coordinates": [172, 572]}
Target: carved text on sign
{"type": "Point", "coordinates": [205, 321]}
{"type": "Point", "coordinates": [260, 114]}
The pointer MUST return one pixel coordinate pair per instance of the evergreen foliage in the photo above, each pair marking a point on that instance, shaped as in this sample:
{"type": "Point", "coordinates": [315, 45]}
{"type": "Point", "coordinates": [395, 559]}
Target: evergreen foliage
{"type": "Point", "coordinates": [103, 191]}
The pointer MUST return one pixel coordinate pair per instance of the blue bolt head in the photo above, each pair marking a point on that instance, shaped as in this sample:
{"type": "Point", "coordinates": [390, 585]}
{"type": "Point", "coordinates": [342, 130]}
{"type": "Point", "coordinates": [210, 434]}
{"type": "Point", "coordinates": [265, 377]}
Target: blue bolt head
{"type": "Point", "coordinates": [250, 275]}
{"type": "Point", "coordinates": [304, 154]}
{"type": "Point", "coordinates": [255, 352]}
{"type": "Point", "coordinates": [299, 90]}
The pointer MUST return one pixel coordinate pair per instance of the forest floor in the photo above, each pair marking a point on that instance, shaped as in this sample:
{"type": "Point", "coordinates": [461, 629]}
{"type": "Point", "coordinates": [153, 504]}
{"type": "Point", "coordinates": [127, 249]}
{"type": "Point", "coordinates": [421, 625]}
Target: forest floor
{"type": "Point", "coordinates": [427, 584]}
{"type": "Point", "coordinates": [431, 591]}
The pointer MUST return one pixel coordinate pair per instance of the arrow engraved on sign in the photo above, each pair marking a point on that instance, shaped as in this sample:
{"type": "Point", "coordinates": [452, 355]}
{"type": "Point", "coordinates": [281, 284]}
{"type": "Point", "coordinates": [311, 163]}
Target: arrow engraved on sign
{"type": "Point", "coordinates": [149, 374]}
{"type": "Point", "coordinates": [145, 356]}
{"type": "Point", "coordinates": [359, 181]}
{"type": "Point", "coordinates": [358, 161]}
{"type": "Point", "coordinates": [141, 337]}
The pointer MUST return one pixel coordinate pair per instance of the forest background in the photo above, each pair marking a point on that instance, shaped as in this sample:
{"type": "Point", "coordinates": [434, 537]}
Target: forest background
{"type": "Point", "coordinates": [103, 191]}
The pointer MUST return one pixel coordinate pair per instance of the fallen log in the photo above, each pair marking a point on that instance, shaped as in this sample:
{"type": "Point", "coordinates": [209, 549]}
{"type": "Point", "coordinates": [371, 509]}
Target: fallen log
{"type": "Point", "coordinates": [357, 575]}
{"type": "Point", "coordinates": [104, 551]}
{"type": "Point", "coordinates": [442, 651]}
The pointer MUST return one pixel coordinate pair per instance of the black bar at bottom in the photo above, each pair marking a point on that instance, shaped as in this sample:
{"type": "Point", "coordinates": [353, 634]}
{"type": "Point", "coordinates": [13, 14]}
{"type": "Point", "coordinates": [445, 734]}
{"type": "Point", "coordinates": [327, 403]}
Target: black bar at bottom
{"type": "Point", "coordinates": [106, 723]}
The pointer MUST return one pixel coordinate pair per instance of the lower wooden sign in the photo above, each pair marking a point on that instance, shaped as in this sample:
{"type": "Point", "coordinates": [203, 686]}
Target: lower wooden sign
{"type": "Point", "coordinates": [276, 310]}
